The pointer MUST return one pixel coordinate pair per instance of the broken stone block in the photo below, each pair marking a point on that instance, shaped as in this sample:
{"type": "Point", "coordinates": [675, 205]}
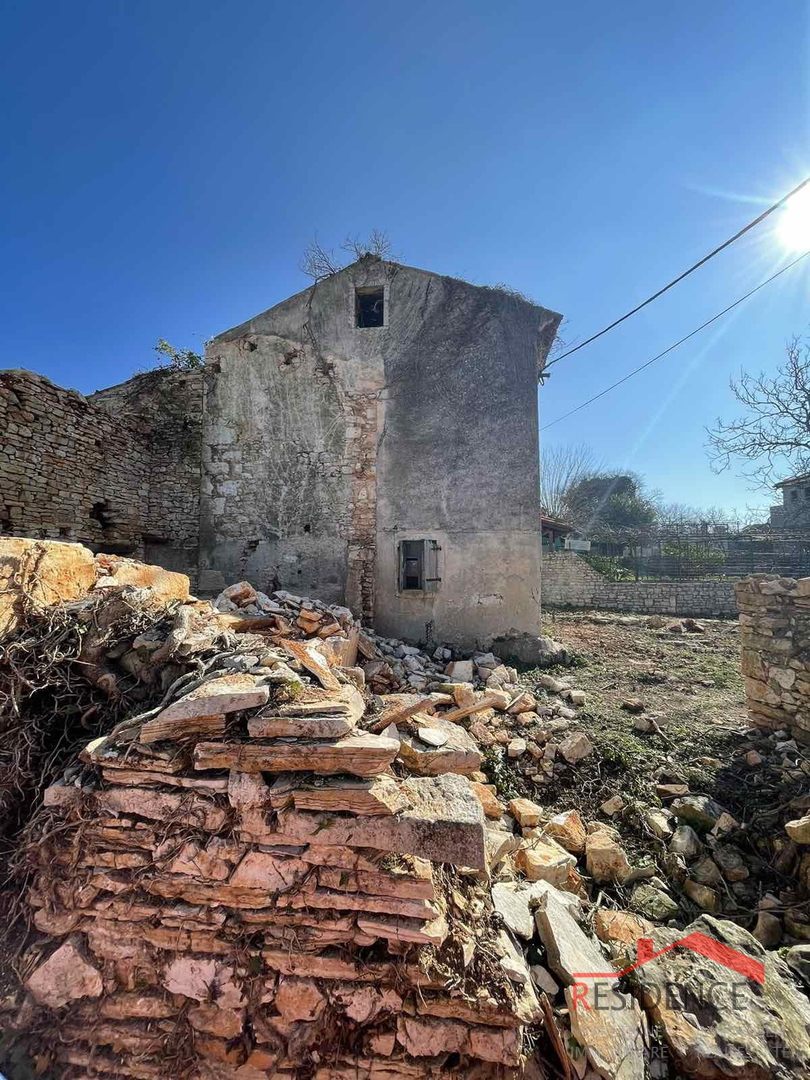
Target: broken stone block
{"type": "Point", "coordinates": [685, 841]}
{"type": "Point", "coordinates": [455, 751]}
{"type": "Point", "coordinates": [516, 748]}
{"type": "Point", "coordinates": [612, 806]}
{"type": "Point", "coordinates": [799, 830]}
{"type": "Point", "coordinates": [605, 858]}
{"type": "Point", "coordinates": [763, 1033]}
{"type": "Point", "coordinates": [654, 903]}
{"type": "Point", "coordinates": [488, 797]}
{"type": "Point", "coordinates": [65, 976]}
{"type": "Point", "coordinates": [621, 931]}
{"type": "Point", "coordinates": [230, 693]}
{"type": "Point", "coordinates": [544, 981]}
{"type": "Point", "coordinates": [701, 895]}
{"type": "Point", "coordinates": [612, 1034]}
{"type": "Point", "coordinates": [658, 821]}
{"type": "Point", "coordinates": [512, 902]}
{"type": "Point", "coordinates": [697, 810]}
{"type": "Point", "coordinates": [731, 861]}
{"type": "Point", "coordinates": [376, 797]}
{"type": "Point", "coordinates": [460, 671]}
{"type": "Point", "coordinates": [768, 930]}
{"type": "Point", "coordinates": [706, 872]}
{"type": "Point", "coordinates": [544, 860]}
{"type": "Point", "coordinates": [525, 812]}
{"type": "Point", "coordinates": [576, 747]}
{"type": "Point", "coordinates": [212, 1020]}
{"type": "Point", "coordinates": [45, 571]}
{"type": "Point", "coordinates": [568, 830]}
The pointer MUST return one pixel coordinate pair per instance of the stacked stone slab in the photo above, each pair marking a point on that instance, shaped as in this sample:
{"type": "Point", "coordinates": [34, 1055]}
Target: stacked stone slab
{"type": "Point", "coordinates": [244, 888]}
{"type": "Point", "coordinates": [775, 640]}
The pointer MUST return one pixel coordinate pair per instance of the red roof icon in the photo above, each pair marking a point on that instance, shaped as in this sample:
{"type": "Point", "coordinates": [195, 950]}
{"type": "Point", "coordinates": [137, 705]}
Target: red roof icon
{"type": "Point", "coordinates": [697, 942]}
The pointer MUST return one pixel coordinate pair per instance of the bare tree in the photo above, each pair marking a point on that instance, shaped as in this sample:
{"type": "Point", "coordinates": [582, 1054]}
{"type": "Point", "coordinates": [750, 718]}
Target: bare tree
{"type": "Point", "coordinates": [319, 262]}
{"type": "Point", "coordinates": [561, 469]}
{"type": "Point", "coordinates": [377, 243]}
{"type": "Point", "coordinates": [774, 434]}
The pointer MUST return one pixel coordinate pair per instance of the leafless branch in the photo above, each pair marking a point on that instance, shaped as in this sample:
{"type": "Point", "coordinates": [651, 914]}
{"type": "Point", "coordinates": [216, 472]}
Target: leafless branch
{"type": "Point", "coordinates": [773, 435]}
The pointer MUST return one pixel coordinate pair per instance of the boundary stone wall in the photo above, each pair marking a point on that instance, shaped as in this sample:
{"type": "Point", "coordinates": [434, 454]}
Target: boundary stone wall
{"type": "Point", "coordinates": [68, 469]}
{"type": "Point", "coordinates": [775, 640]}
{"type": "Point", "coordinates": [568, 581]}
{"type": "Point", "coordinates": [118, 471]}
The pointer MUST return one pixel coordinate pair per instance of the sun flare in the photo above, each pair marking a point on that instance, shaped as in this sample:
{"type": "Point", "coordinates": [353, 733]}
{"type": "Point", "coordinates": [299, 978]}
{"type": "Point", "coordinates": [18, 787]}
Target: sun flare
{"type": "Point", "coordinates": [793, 229]}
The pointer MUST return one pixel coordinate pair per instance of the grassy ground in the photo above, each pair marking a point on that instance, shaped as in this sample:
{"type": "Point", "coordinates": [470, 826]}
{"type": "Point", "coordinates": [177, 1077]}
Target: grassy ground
{"type": "Point", "coordinates": [689, 683]}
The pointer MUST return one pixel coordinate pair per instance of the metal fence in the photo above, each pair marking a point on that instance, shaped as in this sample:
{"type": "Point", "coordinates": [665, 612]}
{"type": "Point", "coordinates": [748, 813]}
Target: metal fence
{"type": "Point", "coordinates": [704, 552]}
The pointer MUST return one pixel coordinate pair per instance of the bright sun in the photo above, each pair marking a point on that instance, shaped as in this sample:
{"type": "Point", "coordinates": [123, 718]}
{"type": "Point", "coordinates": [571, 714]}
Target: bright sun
{"type": "Point", "coordinates": [793, 229]}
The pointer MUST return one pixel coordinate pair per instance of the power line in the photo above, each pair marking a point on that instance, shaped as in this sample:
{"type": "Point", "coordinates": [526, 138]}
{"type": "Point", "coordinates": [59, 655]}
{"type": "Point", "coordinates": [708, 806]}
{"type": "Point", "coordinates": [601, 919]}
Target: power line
{"type": "Point", "coordinates": [686, 273]}
{"type": "Point", "coordinates": [702, 326]}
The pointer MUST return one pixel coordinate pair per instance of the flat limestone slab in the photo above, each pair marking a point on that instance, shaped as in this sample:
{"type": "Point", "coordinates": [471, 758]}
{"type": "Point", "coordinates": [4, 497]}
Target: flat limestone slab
{"type": "Point", "coordinates": [445, 823]}
{"type": "Point", "coordinates": [102, 751]}
{"type": "Point", "coordinates": [180, 727]}
{"type": "Point", "coordinates": [415, 886]}
{"type": "Point", "coordinates": [359, 755]}
{"type": "Point", "coordinates": [231, 693]}
{"type": "Point", "coordinates": [313, 660]}
{"type": "Point", "coordinates": [165, 806]}
{"type": "Point", "coordinates": [347, 701]}
{"type": "Point", "coordinates": [611, 1027]}
{"type": "Point", "coordinates": [377, 797]}
{"type": "Point", "coordinates": [301, 727]}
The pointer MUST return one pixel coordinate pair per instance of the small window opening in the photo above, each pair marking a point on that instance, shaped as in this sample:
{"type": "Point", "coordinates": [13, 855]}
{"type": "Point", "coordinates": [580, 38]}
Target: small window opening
{"type": "Point", "coordinates": [807, 493]}
{"type": "Point", "coordinates": [307, 528]}
{"type": "Point", "coordinates": [369, 307]}
{"type": "Point", "coordinates": [413, 564]}
{"type": "Point", "coordinates": [794, 494]}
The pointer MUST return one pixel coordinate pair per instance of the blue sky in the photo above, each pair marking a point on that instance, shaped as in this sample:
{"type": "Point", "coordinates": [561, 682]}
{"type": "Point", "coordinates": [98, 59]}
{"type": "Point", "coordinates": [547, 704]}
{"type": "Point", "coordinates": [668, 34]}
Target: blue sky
{"type": "Point", "coordinates": [164, 165]}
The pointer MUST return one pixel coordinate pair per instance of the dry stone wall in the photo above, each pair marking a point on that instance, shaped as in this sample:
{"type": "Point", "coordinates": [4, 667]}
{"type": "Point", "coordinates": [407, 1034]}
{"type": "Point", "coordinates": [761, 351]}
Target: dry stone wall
{"type": "Point", "coordinates": [68, 469]}
{"type": "Point", "coordinates": [164, 410]}
{"type": "Point", "coordinates": [118, 471]}
{"type": "Point", "coordinates": [775, 640]}
{"type": "Point", "coordinates": [568, 581]}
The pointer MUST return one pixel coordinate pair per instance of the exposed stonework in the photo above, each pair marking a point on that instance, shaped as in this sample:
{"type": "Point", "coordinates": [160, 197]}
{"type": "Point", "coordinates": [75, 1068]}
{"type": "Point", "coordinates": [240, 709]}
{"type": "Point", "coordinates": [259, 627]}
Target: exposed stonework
{"type": "Point", "coordinates": [568, 581]}
{"type": "Point", "coordinates": [68, 470]}
{"type": "Point", "coordinates": [118, 471]}
{"type": "Point", "coordinates": [164, 409]}
{"type": "Point", "coordinates": [775, 638]}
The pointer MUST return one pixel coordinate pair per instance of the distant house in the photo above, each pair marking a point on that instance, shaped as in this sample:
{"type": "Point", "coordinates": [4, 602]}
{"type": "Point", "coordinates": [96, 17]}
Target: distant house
{"type": "Point", "coordinates": [559, 536]}
{"type": "Point", "coordinates": [794, 513]}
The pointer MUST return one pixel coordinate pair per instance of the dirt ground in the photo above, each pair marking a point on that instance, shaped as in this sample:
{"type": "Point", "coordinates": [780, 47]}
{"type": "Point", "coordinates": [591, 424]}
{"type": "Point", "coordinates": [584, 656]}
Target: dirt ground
{"type": "Point", "coordinates": [691, 685]}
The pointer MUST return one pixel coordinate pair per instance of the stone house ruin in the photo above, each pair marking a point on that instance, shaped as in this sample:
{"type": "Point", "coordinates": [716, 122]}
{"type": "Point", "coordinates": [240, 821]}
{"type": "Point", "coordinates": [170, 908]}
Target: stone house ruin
{"type": "Point", "coordinates": [794, 513]}
{"type": "Point", "coordinates": [372, 441]}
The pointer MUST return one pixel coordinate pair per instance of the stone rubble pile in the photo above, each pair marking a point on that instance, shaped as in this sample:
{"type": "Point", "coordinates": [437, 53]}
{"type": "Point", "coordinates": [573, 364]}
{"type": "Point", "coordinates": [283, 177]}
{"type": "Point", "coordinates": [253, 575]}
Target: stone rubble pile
{"type": "Point", "coordinates": [291, 864]}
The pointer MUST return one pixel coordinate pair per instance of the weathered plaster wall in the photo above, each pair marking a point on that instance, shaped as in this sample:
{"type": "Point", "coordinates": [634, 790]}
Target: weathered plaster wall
{"type": "Point", "coordinates": [68, 469]}
{"type": "Point", "coordinates": [568, 581]}
{"type": "Point", "coordinates": [458, 459]}
{"type": "Point", "coordinates": [775, 641]}
{"type": "Point", "coordinates": [164, 410]}
{"type": "Point", "coordinates": [325, 444]}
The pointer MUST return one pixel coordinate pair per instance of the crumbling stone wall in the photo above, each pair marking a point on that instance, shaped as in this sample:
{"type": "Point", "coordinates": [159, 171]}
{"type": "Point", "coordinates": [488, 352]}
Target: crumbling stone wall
{"type": "Point", "coordinates": [775, 640]}
{"type": "Point", "coordinates": [568, 581]}
{"type": "Point", "coordinates": [68, 469]}
{"type": "Point", "coordinates": [118, 471]}
{"type": "Point", "coordinates": [164, 410]}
